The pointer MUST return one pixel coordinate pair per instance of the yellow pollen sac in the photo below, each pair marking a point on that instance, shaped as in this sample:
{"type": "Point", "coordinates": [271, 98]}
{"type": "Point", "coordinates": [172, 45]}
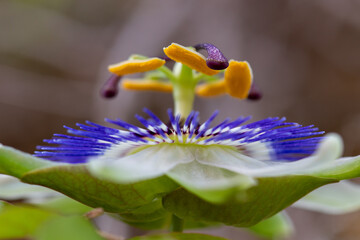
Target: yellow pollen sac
{"type": "Point", "coordinates": [146, 85]}
{"type": "Point", "coordinates": [238, 79]}
{"type": "Point", "coordinates": [211, 89]}
{"type": "Point", "coordinates": [189, 57]}
{"type": "Point", "coordinates": [136, 66]}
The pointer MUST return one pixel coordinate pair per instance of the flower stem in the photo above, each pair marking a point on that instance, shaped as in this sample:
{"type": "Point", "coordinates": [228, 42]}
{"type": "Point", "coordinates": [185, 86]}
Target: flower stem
{"type": "Point", "coordinates": [177, 224]}
{"type": "Point", "coordinates": [184, 100]}
{"type": "Point", "coordinates": [184, 92]}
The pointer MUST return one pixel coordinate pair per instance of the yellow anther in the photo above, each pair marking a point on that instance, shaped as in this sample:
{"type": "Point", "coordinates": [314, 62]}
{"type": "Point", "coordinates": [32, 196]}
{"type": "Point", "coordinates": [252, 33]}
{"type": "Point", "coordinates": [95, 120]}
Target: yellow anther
{"type": "Point", "coordinates": [136, 66]}
{"type": "Point", "coordinates": [211, 89]}
{"type": "Point", "coordinates": [146, 85]}
{"type": "Point", "coordinates": [238, 79]}
{"type": "Point", "coordinates": [189, 57]}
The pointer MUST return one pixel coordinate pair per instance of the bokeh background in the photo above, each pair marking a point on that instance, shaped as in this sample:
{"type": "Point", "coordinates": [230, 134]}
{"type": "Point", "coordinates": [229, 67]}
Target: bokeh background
{"type": "Point", "coordinates": [305, 56]}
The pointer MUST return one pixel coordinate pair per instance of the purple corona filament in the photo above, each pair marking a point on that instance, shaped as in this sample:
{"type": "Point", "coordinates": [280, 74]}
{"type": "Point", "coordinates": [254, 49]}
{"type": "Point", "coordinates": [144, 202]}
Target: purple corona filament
{"type": "Point", "coordinates": [215, 59]}
{"type": "Point", "coordinates": [283, 141]}
{"type": "Point", "coordinates": [110, 88]}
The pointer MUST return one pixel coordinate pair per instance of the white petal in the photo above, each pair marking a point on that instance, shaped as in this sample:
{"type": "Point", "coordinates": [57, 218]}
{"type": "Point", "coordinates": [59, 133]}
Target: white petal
{"type": "Point", "coordinates": [12, 189]}
{"type": "Point", "coordinates": [148, 163]}
{"type": "Point", "coordinates": [343, 168]}
{"type": "Point", "coordinates": [210, 183]}
{"type": "Point", "coordinates": [228, 158]}
{"type": "Point", "coordinates": [260, 151]}
{"type": "Point", "coordinates": [121, 150]}
{"type": "Point", "coordinates": [329, 150]}
{"type": "Point", "coordinates": [336, 198]}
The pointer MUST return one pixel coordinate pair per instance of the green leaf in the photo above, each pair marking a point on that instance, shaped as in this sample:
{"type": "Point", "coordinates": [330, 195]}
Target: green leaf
{"type": "Point", "coordinates": [21, 221]}
{"type": "Point", "coordinates": [16, 163]}
{"type": "Point", "coordinates": [70, 228]}
{"type": "Point", "coordinates": [275, 227]}
{"type": "Point", "coordinates": [253, 205]}
{"type": "Point", "coordinates": [64, 205]}
{"type": "Point", "coordinates": [178, 236]}
{"type": "Point", "coordinates": [76, 182]}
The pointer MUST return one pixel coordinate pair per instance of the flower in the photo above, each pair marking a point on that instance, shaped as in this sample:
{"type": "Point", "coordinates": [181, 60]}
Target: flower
{"type": "Point", "coordinates": [207, 161]}
{"type": "Point", "coordinates": [233, 172]}
{"type": "Point", "coordinates": [215, 164]}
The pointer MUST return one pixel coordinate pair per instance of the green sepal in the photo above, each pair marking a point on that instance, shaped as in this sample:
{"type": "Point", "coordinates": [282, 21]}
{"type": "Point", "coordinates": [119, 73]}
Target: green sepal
{"type": "Point", "coordinates": [153, 216]}
{"type": "Point", "coordinates": [148, 217]}
{"type": "Point", "coordinates": [155, 75]}
{"type": "Point", "coordinates": [275, 227]}
{"type": "Point", "coordinates": [207, 78]}
{"type": "Point", "coordinates": [16, 163]}
{"type": "Point", "coordinates": [76, 182]}
{"type": "Point", "coordinates": [178, 236]}
{"type": "Point", "coordinates": [154, 225]}
{"type": "Point", "coordinates": [189, 224]}
{"type": "Point", "coordinates": [253, 205]}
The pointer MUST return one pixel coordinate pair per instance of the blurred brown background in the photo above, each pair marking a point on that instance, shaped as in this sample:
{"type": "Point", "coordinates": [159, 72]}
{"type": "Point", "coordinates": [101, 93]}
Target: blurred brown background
{"type": "Point", "coordinates": [305, 56]}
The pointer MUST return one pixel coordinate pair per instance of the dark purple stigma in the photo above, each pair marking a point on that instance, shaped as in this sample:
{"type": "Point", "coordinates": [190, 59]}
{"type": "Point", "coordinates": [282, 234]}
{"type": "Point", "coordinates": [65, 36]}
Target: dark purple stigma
{"type": "Point", "coordinates": [254, 93]}
{"type": "Point", "coordinates": [166, 58]}
{"type": "Point", "coordinates": [110, 88]}
{"type": "Point", "coordinates": [215, 59]}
